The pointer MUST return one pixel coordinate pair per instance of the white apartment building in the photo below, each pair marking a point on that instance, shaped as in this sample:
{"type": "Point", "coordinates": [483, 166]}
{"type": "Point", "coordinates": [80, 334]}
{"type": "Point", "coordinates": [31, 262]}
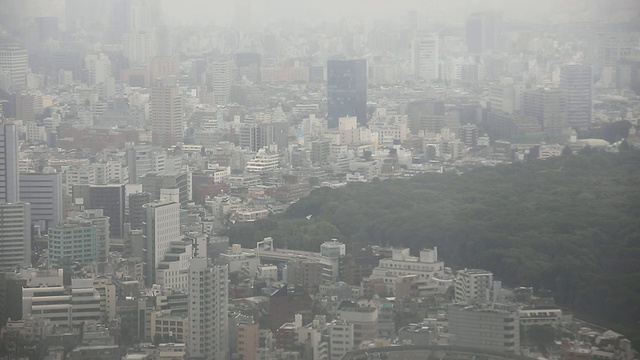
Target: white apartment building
{"type": "Point", "coordinates": [161, 229]}
{"type": "Point", "coordinates": [340, 339]}
{"type": "Point", "coordinates": [426, 266]}
{"type": "Point", "coordinates": [474, 286]}
{"type": "Point", "coordinates": [263, 162]}
{"type": "Point", "coordinates": [208, 310]}
{"type": "Point", "coordinates": [173, 271]}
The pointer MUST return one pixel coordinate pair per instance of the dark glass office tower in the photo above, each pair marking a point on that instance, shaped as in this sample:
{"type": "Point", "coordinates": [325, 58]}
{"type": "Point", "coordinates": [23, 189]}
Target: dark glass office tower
{"type": "Point", "coordinates": [109, 198]}
{"type": "Point", "coordinates": [347, 90]}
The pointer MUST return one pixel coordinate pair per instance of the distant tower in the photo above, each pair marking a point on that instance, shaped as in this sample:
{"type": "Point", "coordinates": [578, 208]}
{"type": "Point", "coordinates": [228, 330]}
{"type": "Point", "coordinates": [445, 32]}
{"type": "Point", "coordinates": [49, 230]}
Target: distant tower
{"type": "Point", "coordinates": [576, 83]}
{"type": "Point", "coordinates": [9, 176]}
{"type": "Point", "coordinates": [484, 31]}
{"type": "Point", "coordinates": [166, 115]}
{"type": "Point", "coordinates": [208, 310]}
{"type": "Point", "coordinates": [14, 63]}
{"type": "Point", "coordinates": [425, 56]}
{"type": "Point", "coordinates": [346, 90]}
{"type": "Point", "coordinates": [220, 70]}
{"type": "Point", "coordinates": [243, 14]}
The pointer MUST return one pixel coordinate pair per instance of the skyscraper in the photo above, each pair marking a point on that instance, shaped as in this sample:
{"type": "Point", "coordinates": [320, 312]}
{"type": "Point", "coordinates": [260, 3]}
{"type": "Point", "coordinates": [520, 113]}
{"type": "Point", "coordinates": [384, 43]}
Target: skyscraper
{"type": "Point", "coordinates": [483, 31]}
{"type": "Point", "coordinates": [15, 234]}
{"type": "Point", "coordinates": [166, 115]}
{"type": "Point", "coordinates": [9, 185]}
{"type": "Point", "coordinates": [576, 83]}
{"type": "Point", "coordinates": [208, 307]}
{"type": "Point", "coordinates": [346, 90]}
{"type": "Point", "coordinates": [425, 56]}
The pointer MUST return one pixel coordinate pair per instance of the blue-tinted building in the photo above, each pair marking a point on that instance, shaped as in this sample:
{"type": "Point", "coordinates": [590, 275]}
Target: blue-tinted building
{"type": "Point", "coordinates": [346, 90]}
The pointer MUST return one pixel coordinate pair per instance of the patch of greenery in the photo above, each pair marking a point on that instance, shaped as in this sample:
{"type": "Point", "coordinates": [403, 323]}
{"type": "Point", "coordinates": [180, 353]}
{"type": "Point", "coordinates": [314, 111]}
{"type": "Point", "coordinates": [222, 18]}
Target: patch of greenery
{"type": "Point", "coordinates": [569, 224]}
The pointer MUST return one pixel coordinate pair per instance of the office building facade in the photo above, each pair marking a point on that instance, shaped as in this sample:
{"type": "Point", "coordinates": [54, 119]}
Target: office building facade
{"type": "Point", "coordinates": [346, 90]}
{"type": "Point", "coordinates": [15, 235]}
{"type": "Point", "coordinates": [44, 193]}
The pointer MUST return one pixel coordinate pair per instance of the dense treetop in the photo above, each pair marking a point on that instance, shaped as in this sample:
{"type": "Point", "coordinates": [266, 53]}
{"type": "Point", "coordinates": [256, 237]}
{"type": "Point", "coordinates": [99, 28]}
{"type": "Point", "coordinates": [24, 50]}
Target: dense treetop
{"type": "Point", "coordinates": [569, 224]}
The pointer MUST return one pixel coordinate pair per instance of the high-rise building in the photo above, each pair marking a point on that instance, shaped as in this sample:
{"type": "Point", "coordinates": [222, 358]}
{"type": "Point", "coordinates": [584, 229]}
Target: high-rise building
{"type": "Point", "coordinates": [484, 31]}
{"type": "Point", "coordinates": [425, 56]}
{"type": "Point", "coordinates": [111, 199]}
{"type": "Point", "coordinates": [72, 241]}
{"type": "Point", "coordinates": [15, 235]}
{"type": "Point", "coordinates": [44, 193]}
{"type": "Point", "coordinates": [220, 70]}
{"type": "Point", "coordinates": [208, 310]}
{"type": "Point", "coordinates": [161, 228]}
{"type": "Point", "coordinates": [14, 65]}
{"type": "Point", "coordinates": [346, 90]}
{"type": "Point", "coordinates": [165, 115]}
{"type": "Point", "coordinates": [9, 184]}
{"type": "Point", "coordinates": [576, 83]}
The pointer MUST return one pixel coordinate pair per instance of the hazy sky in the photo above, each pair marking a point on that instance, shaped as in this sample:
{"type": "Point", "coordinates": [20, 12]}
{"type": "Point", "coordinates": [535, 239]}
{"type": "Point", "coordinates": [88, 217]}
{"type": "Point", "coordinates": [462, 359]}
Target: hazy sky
{"type": "Point", "coordinates": [223, 11]}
